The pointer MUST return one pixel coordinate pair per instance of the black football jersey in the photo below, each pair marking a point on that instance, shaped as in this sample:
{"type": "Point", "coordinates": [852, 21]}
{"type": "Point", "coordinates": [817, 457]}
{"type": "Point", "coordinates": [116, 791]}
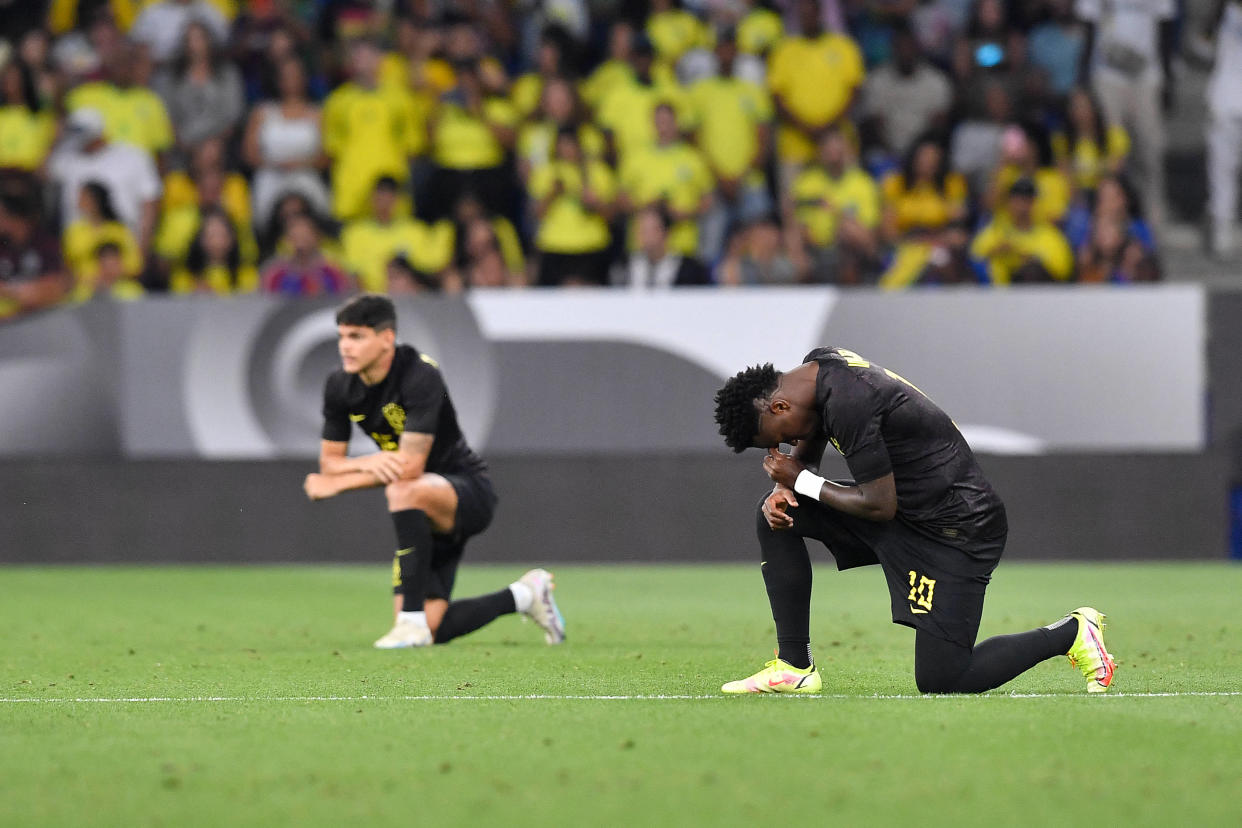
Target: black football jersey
{"type": "Point", "coordinates": [882, 423]}
{"type": "Point", "coordinates": [412, 397]}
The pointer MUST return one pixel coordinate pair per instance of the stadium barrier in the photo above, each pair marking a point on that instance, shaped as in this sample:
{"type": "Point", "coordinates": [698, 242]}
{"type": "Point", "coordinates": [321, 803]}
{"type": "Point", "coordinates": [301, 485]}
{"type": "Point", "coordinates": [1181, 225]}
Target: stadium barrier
{"type": "Point", "coordinates": [179, 429]}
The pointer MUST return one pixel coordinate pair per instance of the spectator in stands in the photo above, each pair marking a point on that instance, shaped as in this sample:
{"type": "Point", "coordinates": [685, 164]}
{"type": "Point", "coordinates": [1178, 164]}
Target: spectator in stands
{"type": "Point", "coordinates": [97, 224]}
{"type": "Point", "coordinates": [1224, 127]}
{"type": "Point", "coordinates": [1112, 254]}
{"type": "Point", "coordinates": [1017, 246]}
{"type": "Point", "coordinates": [27, 129]}
{"type": "Point", "coordinates": [283, 146]}
{"type": "Point", "coordinates": [837, 214]}
{"type": "Point", "coordinates": [991, 51]}
{"type": "Point", "coordinates": [814, 77]}
{"type": "Point", "coordinates": [215, 263]}
{"type": "Point", "coordinates": [127, 172]}
{"type": "Point", "coordinates": [161, 25]}
{"type": "Point", "coordinates": [34, 53]}
{"type": "Point", "coordinates": [32, 275]}
{"type": "Point", "coordinates": [471, 132]}
{"type": "Point", "coordinates": [471, 211]}
{"type": "Point", "coordinates": [288, 205]}
{"type": "Point", "coordinates": [617, 69]}
{"type": "Point", "coordinates": [553, 59]}
{"type": "Point", "coordinates": [404, 279]}
{"type": "Point", "coordinates": [305, 270]}
{"type": "Point", "coordinates": [758, 254]}
{"type": "Point", "coordinates": [759, 28]}
{"type": "Point", "coordinates": [415, 76]}
{"type": "Point", "coordinates": [133, 114]}
{"type": "Point", "coordinates": [673, 31]}
{"type": "Point", "coordinates": [264, 36]}
{"type": "Point", "coordinates": [654, 265]}
{"type": "Point", "coordinates": [1130, 49]}
{"type": "Point", "coordinates": [626, 113]}
{"type": "Point", "coordinates": [673, 174]}
{"type": "Point", "coordinates": [1056, 46]}
{"type": "Point", "coordinates": [559, 109]}
{"type": "Point", "coordinates": [112, 277]}
{"type": "Point", "coordinates": [188, 195]}
{"type": "Point", "coordinates": [416, 63]}
{"type": "Point", "coordinates": [734, 118]}
{"type": "Point", "coordinates": [574, 199]}
{"type": "Point", "coordinates": [370, 243]}
{"type": "Point", "coordinates": [481, 262]}
{"type": "Point", "coordinates": [976, 142]}
{"type": "Point", "coordinates": [904, 99]}
{"type": "Point", "coordinates": [1089, 147]}
{"type": "Point", "coordinates": [367, 132]}
{"type": "Point", "coordinates": [1026, 152]}
{"type": "Point", "coordinates": [924, 210]}
{"type": "Point", "coordinates": [203, 91]}
{"type": "Point", "coordinates": [79, 55]}
{"type": "Point", "coordinates": [1113, 200]}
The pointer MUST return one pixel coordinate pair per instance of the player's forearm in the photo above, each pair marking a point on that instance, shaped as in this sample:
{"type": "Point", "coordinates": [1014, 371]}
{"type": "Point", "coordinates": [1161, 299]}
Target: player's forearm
{"type": "Point", "coordinates": [340, 465]}
{"type": "Point", "coordinates": [853, 500]}
{"type": "Point", "coordinates": [875, 500]}
{"type": "Point", "coordinates": [347, 481]}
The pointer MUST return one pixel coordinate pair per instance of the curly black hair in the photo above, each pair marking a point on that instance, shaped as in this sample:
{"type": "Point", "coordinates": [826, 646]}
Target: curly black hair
{"type": "Point", "coordinates": [736, 412]}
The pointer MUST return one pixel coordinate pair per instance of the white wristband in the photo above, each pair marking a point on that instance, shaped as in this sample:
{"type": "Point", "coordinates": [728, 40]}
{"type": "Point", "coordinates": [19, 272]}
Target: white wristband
{"type": "Point", "coordinates": [809, 483]}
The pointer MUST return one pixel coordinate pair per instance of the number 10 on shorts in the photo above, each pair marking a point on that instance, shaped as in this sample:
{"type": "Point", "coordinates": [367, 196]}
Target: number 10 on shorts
{"type": "Point", "coordinates": [921, 590]}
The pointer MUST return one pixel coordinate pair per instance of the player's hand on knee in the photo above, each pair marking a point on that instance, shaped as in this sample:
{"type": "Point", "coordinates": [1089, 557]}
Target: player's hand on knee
{"type": "Point", "coordinates": [387, 466]}
{"type": "Point", "coordinates": [775, 508]}
{"type": "Point", "coordinates": [319, 486]}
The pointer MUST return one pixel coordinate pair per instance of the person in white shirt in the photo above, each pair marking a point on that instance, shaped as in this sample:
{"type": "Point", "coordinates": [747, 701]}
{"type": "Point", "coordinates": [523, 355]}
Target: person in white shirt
{"type": "Point", "coordinates": [1224, 125]}
{"type": "Point", "coordinates": [1129, 49]}
{"type": "Point", "coordinates": [652, 266]}
{"type": "Point", "coordinates": [161, 25]}
{"type": "Point", "coordinates": [907, 97]}
{"type": "Point", "coordinates": [127, 172]}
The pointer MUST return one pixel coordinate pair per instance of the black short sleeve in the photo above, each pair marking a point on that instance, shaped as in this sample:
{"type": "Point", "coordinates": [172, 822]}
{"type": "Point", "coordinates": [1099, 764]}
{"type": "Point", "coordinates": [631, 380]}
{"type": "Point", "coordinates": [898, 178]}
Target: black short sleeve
{"type": "Point", "coordinates": [816, 354]}
{"type": "Point", "coordinates": [854, 420]}
{"type": "Point", "coordinates": [422, 395]}
{"type": "Point", "coordinates": [336, 425]}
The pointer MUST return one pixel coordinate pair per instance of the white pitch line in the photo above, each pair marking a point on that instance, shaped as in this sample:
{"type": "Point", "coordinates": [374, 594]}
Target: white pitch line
{"type": "Point", "coordinates": [638, 697]}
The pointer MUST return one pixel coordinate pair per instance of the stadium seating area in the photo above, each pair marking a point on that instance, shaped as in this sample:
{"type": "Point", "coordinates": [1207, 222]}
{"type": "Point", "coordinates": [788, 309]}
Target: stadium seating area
{"type": "Point", "coordinates": [322, 146]}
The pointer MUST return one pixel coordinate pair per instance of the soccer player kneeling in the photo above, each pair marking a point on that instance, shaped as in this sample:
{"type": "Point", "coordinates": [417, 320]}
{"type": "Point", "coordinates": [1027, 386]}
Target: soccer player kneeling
{"type": "Point", "coordinates": [918, 505]}
{"type": "Point", "coordinates": [439, 493]}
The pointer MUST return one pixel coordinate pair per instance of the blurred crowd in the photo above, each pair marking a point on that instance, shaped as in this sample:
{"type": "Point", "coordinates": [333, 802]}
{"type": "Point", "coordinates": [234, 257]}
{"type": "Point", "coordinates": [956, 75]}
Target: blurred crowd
{"type": "Point", "coordinates": [308, 147]}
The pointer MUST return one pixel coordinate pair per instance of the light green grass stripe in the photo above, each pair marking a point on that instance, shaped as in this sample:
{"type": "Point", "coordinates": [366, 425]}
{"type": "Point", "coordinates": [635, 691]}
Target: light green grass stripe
{"type": "Point", "coordinates": [635, 697]}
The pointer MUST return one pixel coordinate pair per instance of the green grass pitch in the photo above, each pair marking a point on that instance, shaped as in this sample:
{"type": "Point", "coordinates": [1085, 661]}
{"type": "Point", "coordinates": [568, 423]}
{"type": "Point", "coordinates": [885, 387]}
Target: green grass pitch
{"type": "Point", "coordinates": [254, 698]}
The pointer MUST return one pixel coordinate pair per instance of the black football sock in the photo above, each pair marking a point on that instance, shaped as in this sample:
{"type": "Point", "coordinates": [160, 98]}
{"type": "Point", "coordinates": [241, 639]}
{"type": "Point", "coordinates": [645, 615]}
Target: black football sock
{"type": "Point", "coordinates": [468, 614]}
{"type": "Point", "coordinates": [413, 561]}
{"type": "Point", "coordinates": [787, 575]}
{"type": "Point", "coordinates": [944, 667]}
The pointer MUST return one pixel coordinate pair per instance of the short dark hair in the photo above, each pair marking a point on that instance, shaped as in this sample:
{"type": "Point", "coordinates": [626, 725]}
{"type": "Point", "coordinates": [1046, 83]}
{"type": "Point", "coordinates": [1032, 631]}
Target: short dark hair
{"type": "Point", "coordinates": [369, 310]}
{"type": "Point", "coordinates": [736, 412]}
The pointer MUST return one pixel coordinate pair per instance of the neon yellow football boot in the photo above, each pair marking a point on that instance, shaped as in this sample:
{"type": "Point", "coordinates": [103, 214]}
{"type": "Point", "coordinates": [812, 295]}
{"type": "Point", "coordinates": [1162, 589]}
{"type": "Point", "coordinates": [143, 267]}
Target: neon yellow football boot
{"type": "Point", "coordinates": [778, 677]}
{"type": "Point", "coordinates": [1088, 654]}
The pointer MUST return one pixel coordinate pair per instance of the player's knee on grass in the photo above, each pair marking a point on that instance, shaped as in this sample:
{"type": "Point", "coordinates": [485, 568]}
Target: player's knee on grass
{"type": "Point", "coordinates": [938, 664]}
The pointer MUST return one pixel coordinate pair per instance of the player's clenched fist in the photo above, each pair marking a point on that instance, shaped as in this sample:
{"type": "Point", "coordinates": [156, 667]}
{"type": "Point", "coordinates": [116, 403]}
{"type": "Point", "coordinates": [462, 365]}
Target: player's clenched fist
{"type": "Point", "coordinates": [782, 468]}
{"type": "Point", "coordinates": [776, 507]}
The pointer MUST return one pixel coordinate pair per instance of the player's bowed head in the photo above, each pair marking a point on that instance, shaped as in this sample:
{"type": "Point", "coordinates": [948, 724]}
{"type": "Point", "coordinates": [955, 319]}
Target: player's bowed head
{"type": "Point", "coordinates": [761, 407]}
